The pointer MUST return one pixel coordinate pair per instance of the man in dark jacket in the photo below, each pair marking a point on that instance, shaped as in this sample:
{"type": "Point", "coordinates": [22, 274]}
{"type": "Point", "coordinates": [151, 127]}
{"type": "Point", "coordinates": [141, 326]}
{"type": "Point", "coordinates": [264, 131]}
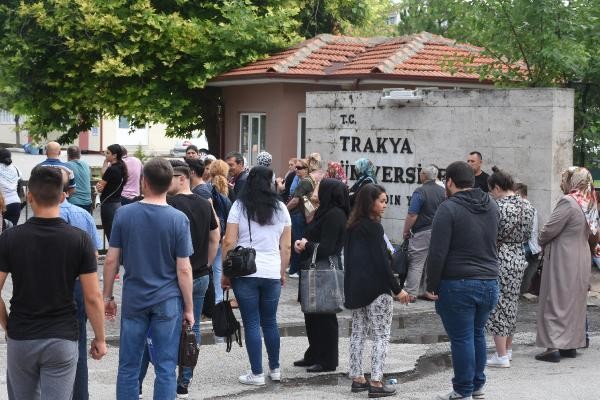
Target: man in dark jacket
{"type": "Point", "coordinates": [462, 270]}
{"type": "Point", "coordinates": [237, 172]}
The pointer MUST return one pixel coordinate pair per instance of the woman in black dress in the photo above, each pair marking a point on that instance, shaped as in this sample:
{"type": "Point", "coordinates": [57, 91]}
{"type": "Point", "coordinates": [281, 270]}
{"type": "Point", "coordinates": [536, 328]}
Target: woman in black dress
{"type": "Point", "coordinates": [328, 230]}
{"type": "Point", "coordinates": [111, 186]}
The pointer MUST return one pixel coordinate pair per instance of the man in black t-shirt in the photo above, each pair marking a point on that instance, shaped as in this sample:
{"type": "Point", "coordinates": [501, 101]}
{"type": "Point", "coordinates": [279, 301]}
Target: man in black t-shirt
{"type": "Point", "coordinates": [206, 235]}
{"type": "Point", "coordinates": [481, 178]}
{"type": "Point", "coordinates": [44, 257]}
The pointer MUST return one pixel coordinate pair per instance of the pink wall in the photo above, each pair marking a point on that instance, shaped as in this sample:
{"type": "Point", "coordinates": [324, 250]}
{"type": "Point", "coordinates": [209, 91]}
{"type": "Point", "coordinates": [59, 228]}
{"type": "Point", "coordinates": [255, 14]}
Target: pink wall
{"type": "Point", "coordinates": [281, 102]}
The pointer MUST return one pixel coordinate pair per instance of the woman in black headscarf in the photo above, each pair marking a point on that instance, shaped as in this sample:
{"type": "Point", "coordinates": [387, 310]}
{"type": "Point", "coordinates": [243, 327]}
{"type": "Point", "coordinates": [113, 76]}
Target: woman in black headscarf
{"type": "Point", "coordinates": [328, 230]}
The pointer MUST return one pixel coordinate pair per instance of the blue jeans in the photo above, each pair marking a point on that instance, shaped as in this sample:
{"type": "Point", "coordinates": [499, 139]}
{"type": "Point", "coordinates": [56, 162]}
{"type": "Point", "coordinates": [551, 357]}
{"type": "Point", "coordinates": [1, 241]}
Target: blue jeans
{"type": "Point", "coordinates": [298, 228]}
{"type": "Point", "coordinates": [258, 299]}
{"type": "Point", "coordinates": [464, 306]}
{"type": "Point", "coordinates": [217, 269]}
{"type": "Point", "coordinates": [200, 286]}
{"type": "Point", "coordinates": [164, 319]}
{"type": "Point", "coordinates": [80, 387]}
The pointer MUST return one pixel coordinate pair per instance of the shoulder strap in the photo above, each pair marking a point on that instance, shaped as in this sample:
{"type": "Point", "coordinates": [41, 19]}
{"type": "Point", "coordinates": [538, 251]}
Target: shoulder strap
{"type": "Point", "coordinates": [249, 229]}
{"type": "Point", "coordinates": [17, 169]}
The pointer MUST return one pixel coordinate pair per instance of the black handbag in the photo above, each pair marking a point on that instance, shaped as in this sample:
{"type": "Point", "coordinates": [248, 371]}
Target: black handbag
{"type": "Point", "coordinates": [400, 262]}
{"type": "Point", "coordinates": [188, 348]}
{"type": "Point", "coordinates": [224, 322]}
{"type": "Point", "coordinates": [240, 261]}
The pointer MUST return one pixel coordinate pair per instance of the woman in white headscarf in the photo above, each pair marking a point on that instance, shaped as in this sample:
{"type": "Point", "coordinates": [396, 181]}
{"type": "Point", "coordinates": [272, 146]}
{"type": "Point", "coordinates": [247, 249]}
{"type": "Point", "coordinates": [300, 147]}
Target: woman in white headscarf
{"type": "Point", "coordinates": [567, 266]}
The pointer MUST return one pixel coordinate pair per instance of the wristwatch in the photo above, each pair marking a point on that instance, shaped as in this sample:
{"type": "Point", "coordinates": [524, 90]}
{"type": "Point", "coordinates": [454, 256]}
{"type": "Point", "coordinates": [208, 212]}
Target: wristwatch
{"type": "Point", "coordinates": [111, 298]}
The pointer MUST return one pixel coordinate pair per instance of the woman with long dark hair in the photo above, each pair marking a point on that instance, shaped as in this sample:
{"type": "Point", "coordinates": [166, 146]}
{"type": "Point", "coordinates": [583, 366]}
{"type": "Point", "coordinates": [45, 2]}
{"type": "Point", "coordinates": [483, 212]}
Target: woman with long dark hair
{"type": "Point", "coordinates": [111, 186]}
{"type": "Point", "coordinates": [368, 286]}
{"type": "Point", "coordinates": [328, 231]}
{"type": "Point", "coordinates": [259, 220]}
{"type": "Point", "coordinates": [9, 179]}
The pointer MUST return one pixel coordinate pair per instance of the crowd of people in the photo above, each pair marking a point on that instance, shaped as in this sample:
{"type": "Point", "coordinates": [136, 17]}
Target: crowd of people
{"type": "Point", "coordinates": [473, 248]}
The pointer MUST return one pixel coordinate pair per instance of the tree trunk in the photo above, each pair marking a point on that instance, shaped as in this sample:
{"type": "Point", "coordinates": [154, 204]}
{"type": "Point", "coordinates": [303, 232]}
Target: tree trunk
{"type": "Point", "coordinates": [212, 120]}
{"type": "Point", "coordinates": [18, 130]}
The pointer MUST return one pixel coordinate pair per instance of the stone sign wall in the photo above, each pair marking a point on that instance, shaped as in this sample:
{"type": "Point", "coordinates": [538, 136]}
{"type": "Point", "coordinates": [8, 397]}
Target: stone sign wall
{"type": "Point", "coordinates": [527, 132]}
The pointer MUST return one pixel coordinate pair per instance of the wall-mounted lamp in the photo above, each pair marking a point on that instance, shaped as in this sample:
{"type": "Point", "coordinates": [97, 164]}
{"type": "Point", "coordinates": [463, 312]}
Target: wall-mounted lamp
{"type": "Point", "coordinates": [401, 95]}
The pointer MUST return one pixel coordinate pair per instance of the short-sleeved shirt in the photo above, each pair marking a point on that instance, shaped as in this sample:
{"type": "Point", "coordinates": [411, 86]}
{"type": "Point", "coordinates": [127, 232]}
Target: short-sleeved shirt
{"type": "Point", "coordinates": [115, 179]}
{"type": "Point", "coordinates": [83, 194]}
{"type": "Point", "coordinates": [55, 162]}
{"type": "Point", "coordinates": [202, 221]}
{"type": "Point", "coordinates": [9, 179]}
{"type": "Point", "coordinates": [481, 182]}
{"type": "Point", "coordinates": [134, 174]}
{"type": "Point", "coordinates": [80, 218]}
{"type": "Point", "coordinates": [265, 238]}
{"type": "Point", "coordinates": [151, 238]}
{"type": "Point", "coordinates": [203, 190]}
{"type": "Point", "coordinates": [416, 202]}
{"type": "Point", "coordinates": [44, 257]}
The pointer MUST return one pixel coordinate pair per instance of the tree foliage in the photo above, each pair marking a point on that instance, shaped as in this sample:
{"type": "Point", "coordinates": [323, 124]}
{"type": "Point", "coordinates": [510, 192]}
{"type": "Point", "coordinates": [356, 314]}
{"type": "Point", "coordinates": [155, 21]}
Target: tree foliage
{"type": "Point", "coordinates": [554, 41]}
{"type": "Point", "coordinates": [350, 17]}
{"type": "Point", "coordinates": [66, 63]}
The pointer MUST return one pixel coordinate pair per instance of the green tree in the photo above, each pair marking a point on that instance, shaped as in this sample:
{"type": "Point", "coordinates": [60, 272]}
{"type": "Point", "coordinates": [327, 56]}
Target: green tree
{"type": "Point", "coordinates": [66, 63]}
{"type": "Point", "coordinates": [358, 17]}
{"type": "Point", "coordinates": [533, 43]}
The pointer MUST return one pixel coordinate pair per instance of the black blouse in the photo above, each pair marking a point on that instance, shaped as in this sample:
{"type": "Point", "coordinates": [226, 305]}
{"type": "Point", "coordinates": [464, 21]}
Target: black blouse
{"type": "Point", "coordinates": [114, 176]}
{"type": "Point", "coordinates": [368, 270]}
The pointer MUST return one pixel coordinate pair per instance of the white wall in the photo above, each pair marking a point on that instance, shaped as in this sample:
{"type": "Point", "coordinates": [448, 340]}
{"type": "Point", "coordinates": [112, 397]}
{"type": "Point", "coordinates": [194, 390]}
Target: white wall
{"type": "Point", "coordinates": [527, 132]}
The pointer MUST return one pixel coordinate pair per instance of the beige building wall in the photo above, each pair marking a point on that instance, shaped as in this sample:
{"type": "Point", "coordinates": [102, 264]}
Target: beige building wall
{"type": "Point", "coordinates": [152, 139]}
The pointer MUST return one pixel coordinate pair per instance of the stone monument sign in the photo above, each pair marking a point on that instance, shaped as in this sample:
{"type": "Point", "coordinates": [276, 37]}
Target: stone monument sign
{"type": "Point", "coordinates": [527, 132]}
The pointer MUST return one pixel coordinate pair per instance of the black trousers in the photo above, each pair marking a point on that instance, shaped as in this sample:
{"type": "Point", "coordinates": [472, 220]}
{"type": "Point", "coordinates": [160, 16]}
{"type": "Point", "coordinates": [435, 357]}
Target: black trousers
{"type": "Point", "coordinates": [107, 214]}
{"type": "Point", "coordinates": [322, 333]}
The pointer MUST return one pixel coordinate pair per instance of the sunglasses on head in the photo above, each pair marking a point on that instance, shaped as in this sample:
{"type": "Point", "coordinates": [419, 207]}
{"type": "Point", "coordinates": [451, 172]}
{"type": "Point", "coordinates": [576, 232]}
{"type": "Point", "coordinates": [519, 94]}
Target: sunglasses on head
{"type": "Point", "coordinates": [300, 167]}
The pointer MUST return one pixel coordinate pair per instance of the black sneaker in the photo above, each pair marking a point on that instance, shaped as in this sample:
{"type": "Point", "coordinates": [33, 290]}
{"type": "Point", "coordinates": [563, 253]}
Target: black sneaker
{"type": "Point", "coordinates": [182, 392]}
{"type": "Point", "coordinates": [384, 391]}
{"type": "Point", "coordinates": [359, 387]}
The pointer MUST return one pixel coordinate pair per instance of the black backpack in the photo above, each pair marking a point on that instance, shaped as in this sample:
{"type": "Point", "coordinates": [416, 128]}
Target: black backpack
{"type": "Point", "coordinates": [224, 322]}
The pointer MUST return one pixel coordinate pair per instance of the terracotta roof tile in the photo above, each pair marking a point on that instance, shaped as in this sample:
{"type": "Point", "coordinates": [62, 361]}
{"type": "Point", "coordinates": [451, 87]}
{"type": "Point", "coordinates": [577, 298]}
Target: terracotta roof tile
{"type": "Point", "coordinates": [422, 55]}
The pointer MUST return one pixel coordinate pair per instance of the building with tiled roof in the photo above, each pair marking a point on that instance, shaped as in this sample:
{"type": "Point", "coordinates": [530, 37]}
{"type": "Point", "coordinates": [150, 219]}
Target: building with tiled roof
{"type": "Point", "coordinates": [265, 100]}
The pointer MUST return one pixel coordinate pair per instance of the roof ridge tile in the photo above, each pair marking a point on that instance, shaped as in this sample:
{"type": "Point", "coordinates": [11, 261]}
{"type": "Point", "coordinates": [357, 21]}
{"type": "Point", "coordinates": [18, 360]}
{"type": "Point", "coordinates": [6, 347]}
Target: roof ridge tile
{"type": "Point", "coordinates": [405, 52]}
{"type": "Point", "coordinates": [304, 50]}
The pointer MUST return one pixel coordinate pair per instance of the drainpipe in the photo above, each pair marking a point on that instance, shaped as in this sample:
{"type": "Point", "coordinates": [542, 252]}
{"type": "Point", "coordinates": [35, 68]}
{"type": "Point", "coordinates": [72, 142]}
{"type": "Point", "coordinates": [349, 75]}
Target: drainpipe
{"type": "Point", "coordinates": [221, 118]}
{"type": "Point", "coordinates": [101, 133]}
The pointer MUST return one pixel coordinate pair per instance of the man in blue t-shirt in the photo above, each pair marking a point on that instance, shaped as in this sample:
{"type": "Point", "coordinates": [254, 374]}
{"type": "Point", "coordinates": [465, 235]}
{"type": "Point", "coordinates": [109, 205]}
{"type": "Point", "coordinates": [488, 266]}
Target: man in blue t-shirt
{"type": "Point", "coordinates": [154, 241]}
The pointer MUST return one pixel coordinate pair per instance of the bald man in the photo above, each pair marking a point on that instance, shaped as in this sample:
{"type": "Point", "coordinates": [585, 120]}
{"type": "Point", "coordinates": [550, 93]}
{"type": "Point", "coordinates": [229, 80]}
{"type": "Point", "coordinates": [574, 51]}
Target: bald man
{"type": "Point", "coordinates": [52, 160]}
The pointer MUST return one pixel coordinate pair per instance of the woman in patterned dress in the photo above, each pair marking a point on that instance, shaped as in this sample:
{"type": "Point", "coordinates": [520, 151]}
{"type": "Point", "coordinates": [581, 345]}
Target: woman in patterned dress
{"type": "Point", "coordinates": [516, 219]}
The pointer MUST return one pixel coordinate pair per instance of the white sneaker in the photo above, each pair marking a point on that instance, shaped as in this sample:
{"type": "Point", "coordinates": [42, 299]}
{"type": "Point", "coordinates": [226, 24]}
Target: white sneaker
{"type": "Point", "coordinates": [251, 379]}
{"type": "Point", "coordinates": [294, 276]}
{"type": "Point", "coordinates": [479, 394]}
{"type": "Point", "coordinates": [275, 374]}
{"type": "Point", "coordinates": [509, 354]}
{"type": "Point", "coordinates": [498, 362]}
{"type": "Point", "coordinates": [453, 396]}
